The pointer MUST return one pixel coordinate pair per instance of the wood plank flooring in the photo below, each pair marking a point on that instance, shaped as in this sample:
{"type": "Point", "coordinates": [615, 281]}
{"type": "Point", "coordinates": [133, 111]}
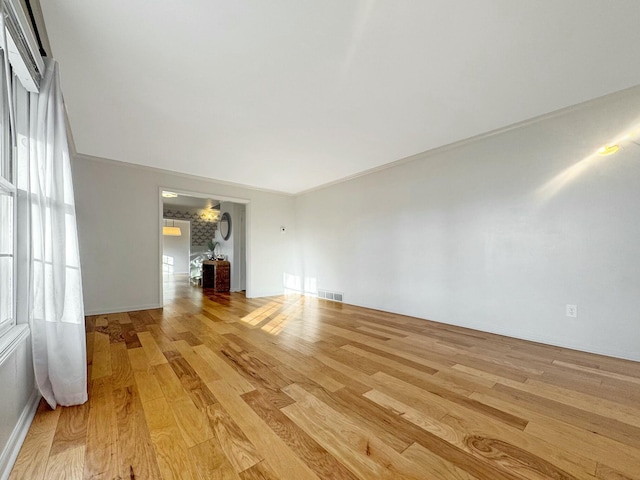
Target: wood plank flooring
{"type": "Point", "coordinates": [217, 386]}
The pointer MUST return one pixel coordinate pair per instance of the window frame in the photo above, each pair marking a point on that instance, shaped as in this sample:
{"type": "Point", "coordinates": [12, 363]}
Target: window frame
{"type": "Point", "coordinates": [8, 167]}
{"type": "Point", "coordinates": [7, 188]}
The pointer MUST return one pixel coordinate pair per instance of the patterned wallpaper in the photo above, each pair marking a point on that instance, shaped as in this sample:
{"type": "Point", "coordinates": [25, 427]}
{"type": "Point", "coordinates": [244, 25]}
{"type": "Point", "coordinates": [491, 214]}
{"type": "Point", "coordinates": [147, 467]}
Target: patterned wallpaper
{"type": "Point", "coordinates": [203, 228]}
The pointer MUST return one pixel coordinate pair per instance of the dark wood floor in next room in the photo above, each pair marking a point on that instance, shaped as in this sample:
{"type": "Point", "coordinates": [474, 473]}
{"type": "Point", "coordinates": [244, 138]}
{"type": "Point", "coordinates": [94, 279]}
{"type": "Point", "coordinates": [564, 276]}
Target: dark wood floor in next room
{"type": "Point", "coordinates": [221, 386]}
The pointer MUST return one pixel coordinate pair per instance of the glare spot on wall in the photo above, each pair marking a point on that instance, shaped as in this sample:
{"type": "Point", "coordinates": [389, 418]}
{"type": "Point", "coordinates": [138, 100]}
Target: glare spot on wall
{"type": "Point", "coordinates": [602, 155]}
{"type": "Point", "coordinates": [167, 264]}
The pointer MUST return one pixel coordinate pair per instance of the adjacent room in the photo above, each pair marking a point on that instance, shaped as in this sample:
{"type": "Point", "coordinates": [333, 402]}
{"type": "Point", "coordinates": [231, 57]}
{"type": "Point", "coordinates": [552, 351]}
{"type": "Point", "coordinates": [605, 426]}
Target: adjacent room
{"type": "Point", "coordinates": [198, 231]}
{"type": "Point", "coordinates": [355, 239]}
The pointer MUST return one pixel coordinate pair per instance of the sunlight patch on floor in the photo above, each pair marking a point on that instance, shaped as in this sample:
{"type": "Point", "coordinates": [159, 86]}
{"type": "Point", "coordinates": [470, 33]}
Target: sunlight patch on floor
{"type": "Point", "coordinates": [260, 314]}
{"type": "Point", "coordinates": [275, 326]}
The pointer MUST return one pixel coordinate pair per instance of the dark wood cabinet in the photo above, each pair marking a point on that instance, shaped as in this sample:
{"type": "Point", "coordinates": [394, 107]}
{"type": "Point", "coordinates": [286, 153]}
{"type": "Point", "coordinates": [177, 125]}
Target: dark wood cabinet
{"type": "Point", "coordinates": [216, 274]}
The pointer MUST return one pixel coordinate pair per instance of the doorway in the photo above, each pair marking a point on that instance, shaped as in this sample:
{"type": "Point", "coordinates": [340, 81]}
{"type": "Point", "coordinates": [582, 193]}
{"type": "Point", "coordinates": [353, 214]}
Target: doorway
{"type": "Point", "coordinates": [176, 247]}
{"type": "Point", "coordinates": [198, 217]}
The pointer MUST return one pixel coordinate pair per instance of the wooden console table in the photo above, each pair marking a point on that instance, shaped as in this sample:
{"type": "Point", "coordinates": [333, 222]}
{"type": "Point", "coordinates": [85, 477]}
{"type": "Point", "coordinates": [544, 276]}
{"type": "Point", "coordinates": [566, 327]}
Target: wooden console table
{"type": "Point", "coordinates": [216, 274]}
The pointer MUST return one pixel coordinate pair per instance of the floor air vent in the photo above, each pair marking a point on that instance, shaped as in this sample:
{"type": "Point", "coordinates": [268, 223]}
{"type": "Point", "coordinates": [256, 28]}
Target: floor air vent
{"type": "Point", "coordinates": [335, 296]}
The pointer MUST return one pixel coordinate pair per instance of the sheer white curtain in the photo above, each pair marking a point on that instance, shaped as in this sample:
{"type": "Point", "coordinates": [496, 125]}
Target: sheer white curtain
{"type": "Point", "coordinates": [56, 313]}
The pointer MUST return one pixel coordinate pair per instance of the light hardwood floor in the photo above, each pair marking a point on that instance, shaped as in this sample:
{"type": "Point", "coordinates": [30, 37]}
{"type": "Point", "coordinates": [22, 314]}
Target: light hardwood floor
{"type": "Point", "coordinates": [220, 386]}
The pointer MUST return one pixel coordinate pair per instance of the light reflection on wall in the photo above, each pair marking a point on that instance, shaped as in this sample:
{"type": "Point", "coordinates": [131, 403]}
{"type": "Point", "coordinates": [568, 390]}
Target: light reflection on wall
{"type": "Point", "coordinates": [296, 284]}
{"type": "Point", "coordinates": [626, 139]}
{"type": "Point", "coordinates": [167, 264]}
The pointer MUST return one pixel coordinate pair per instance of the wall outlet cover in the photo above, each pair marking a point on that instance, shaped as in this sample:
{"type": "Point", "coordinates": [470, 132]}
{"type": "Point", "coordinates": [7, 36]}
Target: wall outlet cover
{"type": "Point", "coordinates": [572, 311]}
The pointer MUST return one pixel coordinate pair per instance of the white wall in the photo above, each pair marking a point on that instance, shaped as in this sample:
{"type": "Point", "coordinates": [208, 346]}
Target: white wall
{"type": "Point", "coordinates": [495, 234]}
{"type": "Point", "coordinates": [19, 398]}
{"type": "Point", "coordinates": [225, 247]}
{"type": "Point", "coordinates": [233, 248]}
{"type": "Point", "coordinates": [119, 232]}
{"type": "Point", "coordinates": [480, 235]}
{"type": "Point", "coordinates": [240, 248]}
{"type": "Point", "coordinates": [177, 248]}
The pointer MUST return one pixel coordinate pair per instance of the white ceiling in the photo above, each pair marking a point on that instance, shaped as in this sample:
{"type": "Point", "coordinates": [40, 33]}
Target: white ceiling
{"type": "Point", "coordinates": [291, 94]}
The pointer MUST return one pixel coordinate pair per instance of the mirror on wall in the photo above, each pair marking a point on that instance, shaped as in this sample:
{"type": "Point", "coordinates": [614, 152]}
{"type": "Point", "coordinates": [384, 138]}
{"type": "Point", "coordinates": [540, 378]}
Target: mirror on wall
{"type": "Point", "coordinates": [225, 226]}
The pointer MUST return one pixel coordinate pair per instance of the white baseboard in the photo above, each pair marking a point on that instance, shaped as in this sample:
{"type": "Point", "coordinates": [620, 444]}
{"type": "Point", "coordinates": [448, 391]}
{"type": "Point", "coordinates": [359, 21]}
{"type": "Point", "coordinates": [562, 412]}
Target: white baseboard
{"type": "Point", "coordinates": [597, 350]}
{"type": "Point", "coordinates": [554, 342]}
{"type": "Point", "coordinates": [274, 293]}
{"type": "Point", "coordinates": [528, 336]}
{"type": "Point", "coordinates": [11, 450]}
{"type": "Point", "coordinates": [107, 311]}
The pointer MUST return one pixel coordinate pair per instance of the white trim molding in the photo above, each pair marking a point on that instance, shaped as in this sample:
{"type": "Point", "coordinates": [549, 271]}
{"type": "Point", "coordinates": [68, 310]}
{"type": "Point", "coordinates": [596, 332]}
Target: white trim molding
{"type": "Point", "coordinates": [135, 308]}
{"type": "Point", "coordinates": [10, 453]}
{"type": "Point", "coordinates": [10, 340]}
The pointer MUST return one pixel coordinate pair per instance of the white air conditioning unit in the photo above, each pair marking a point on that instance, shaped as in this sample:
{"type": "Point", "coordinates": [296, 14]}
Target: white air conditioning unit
{"type": "Point", "coordinates": [24, 54]}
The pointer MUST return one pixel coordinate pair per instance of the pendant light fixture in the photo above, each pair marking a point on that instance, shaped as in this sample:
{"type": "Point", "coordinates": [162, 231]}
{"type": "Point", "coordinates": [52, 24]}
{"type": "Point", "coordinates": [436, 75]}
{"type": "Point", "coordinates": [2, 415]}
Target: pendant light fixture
{"type": "Point", "coordinates": [172, 231]}
{"type": "Point", "coordinates": [214, 213]}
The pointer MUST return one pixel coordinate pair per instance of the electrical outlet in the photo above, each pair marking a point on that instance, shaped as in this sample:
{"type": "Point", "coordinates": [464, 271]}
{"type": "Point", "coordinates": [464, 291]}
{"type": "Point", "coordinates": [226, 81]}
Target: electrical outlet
{"type": "Point", "coordinates": [572, 311]}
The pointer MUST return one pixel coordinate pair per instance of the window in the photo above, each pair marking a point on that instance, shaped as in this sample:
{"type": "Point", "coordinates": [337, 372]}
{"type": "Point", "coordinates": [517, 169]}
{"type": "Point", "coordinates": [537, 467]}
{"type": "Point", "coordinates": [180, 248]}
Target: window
{"type": "Point", "coordinates": [7, 210]}
{"type": "Point", "coordinates": [7, 257]}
